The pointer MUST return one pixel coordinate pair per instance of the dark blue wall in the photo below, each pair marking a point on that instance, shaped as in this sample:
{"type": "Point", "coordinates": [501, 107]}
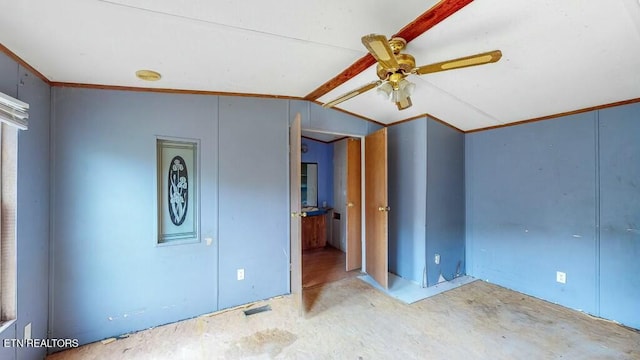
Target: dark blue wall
{"type": "Point", "coordinates": [321, 153]}
{"type": "Point", "coordinates": [537, 195]}
{"type": "Point", "coordinates": [33, 208]}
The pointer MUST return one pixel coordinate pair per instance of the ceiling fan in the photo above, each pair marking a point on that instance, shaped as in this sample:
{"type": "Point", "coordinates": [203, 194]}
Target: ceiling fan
{"type": "Point", "coordinates": [394, 66]}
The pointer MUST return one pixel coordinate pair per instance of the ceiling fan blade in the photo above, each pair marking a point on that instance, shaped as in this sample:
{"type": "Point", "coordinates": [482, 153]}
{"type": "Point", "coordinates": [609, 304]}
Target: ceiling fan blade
{"type": "Point", "coordinates": [352, 93]}
{"type": "Point", "coordinates": [378, 46]}
{"type": "Point", "coordinates": [473, 60]}
{"type": "Point", "coordinates": [404, 104]}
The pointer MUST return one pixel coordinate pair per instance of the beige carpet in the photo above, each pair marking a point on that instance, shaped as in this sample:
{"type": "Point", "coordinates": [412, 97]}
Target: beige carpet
{"type": "Point", "coordinates": [349, 319]}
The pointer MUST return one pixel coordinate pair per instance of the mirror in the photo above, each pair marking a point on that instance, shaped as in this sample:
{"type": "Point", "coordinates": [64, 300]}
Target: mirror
{"type": "Point", "coordinates": [309, 181]}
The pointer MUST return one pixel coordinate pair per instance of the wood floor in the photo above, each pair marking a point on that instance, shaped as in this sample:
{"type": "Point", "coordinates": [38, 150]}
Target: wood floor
{"type": "Point", "coordinates": [320, 266]}
{"type": "Point", "coordinates": [349, 319]}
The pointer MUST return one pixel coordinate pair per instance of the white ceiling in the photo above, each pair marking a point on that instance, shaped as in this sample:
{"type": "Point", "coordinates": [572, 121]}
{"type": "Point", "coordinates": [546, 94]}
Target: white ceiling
{"type": "Point", "coordinates": [558, 55]}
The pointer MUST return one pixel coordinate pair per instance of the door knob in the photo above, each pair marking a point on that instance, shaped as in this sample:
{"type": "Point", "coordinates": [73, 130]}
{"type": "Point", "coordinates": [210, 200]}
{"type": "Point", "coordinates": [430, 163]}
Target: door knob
{"type": "Point", "coordinates": [384, 208]}
{"type": "Point", "coordinates": [303, 214]}
{"type": "Point", "coordinates": [351, 204]}
{"type": "Point", "coordinates": [294, 214]}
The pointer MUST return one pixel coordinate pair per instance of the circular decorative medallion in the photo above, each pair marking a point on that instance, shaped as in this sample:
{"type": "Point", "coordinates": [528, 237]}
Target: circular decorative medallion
{"type": "Point", "coordinates": [178, 198]}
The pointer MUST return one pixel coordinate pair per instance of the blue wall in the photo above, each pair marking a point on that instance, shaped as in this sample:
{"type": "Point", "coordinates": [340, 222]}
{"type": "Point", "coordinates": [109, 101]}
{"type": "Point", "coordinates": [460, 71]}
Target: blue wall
{"type": "Point", "coordinates": [445, 202]}
{"type": "Point", "coordinates": [407, 175]}
{"type": "Point", "coordinates": [33, 208]}
{"type": "Point", "coordinates": [619, 195]}
{"type": "Point", "coordinates": [108, 276]}
{"type": "Point", "coordinates": [426, 195]}
{"type": "Point", "coordinates": [104, 213]}
{"type": "Point", "coordinates": [537, 195]}
{"type": "Point", "coordinates": [253, 199]}
{"type": "Point", "coordinates": [321, 153]}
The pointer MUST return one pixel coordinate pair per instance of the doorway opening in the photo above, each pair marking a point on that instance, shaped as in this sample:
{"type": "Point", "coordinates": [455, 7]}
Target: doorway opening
{"type": "Point", "coordinates": [331, 230]}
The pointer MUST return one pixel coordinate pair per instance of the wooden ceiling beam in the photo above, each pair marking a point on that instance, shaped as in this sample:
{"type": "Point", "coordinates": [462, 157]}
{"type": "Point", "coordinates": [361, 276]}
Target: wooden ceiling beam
{"type": "Point", "coordinates": [356, 68]}
{"type": "Point", "coordinates": [422, 23]}
{"type": "Point", "coordinates": [431, 18]}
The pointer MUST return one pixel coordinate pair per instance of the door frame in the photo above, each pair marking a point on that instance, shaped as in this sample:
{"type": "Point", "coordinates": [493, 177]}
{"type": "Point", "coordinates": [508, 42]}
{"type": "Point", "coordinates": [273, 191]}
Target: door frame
{"type": "Point", "coordinates": [295, 235]}
{"type": "Point", "coordinates": [363, 236]}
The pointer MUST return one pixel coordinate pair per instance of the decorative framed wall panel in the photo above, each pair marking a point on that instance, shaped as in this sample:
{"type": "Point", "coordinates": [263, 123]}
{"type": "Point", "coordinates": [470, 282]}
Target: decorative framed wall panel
{"type": "Point", "coordinates": [178, 196]}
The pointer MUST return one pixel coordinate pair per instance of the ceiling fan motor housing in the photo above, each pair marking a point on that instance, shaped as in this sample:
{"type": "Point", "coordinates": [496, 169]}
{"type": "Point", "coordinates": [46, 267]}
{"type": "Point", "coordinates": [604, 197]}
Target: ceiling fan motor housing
{"type": "Point", "coordinates": [397, 44]}
{"type": "Point", "coordinates": [406, 63]}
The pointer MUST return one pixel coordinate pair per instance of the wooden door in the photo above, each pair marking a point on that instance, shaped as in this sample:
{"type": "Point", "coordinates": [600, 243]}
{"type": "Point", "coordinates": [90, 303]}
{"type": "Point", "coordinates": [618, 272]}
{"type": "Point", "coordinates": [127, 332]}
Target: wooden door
{"type": "Point", "coordinates": [296, 238]}
{"type": "Point", "coordinates": [376, 207]}
{"type": "Point", "coordinates": [354, 205]}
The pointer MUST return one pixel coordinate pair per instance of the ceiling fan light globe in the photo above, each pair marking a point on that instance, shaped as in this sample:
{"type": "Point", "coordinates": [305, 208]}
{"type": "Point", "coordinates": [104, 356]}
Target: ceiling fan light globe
{"type": "Point", "coordinates": [406, 87]}
{"type": "Point", "coordinates": [400, 96]}
{"type": "Point", "coordinates": [397, 96]}
{"type": "Point", "coordinates": [403, 91]}
{"type": "Point", "coordinates": [385, 91]}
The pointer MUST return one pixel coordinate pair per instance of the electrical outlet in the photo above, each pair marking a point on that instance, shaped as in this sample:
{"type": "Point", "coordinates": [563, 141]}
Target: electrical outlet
{"type": "Point", "coordinates": [561, 277]}
{"type": "Point", "coordinates": [240, 274]}
{"type": "Point", "coordinates": [437, 259]}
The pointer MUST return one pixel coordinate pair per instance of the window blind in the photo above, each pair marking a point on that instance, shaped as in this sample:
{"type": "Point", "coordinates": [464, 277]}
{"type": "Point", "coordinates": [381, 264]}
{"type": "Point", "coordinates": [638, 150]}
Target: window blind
{"type": "Point", "coordinates": [14, 112]}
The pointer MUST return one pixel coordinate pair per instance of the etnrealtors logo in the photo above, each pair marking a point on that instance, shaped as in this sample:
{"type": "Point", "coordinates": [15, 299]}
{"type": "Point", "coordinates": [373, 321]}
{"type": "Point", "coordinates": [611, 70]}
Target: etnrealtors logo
{"type": "Point", "coordinates": [37, 343]}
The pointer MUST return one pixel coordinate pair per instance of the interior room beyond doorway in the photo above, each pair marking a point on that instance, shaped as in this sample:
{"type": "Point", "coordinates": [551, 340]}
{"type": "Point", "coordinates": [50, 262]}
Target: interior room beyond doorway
{"type": "Point", "coordinates": [324, 228]}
